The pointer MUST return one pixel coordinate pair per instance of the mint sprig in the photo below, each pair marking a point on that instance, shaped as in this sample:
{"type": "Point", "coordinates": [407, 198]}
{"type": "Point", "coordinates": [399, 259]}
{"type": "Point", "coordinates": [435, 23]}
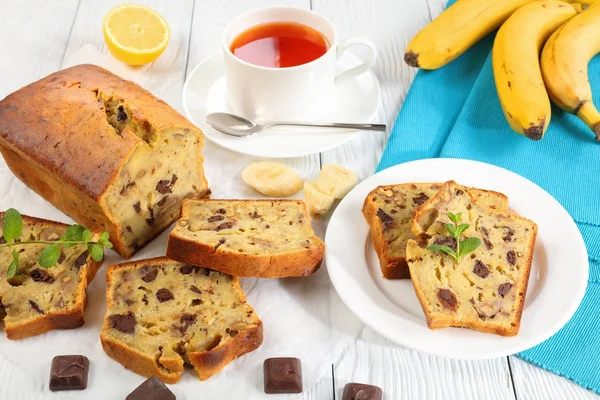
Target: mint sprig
{"type": "Point", "coordinates": [455, 230]}
{"type": "Point", "coordinates": [74, 235]}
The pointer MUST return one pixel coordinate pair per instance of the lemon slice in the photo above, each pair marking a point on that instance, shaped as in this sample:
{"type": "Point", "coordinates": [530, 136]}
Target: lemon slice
{"type": "Point", "coordinates": [135, 34]}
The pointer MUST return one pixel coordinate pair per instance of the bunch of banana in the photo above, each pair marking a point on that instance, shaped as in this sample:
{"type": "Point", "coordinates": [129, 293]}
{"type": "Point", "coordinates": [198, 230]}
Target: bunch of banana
{"type": "Point", "coordinates": [515, 60]}
{"type": "Point", "coordinates": [564, 65]}
{"type": "Point", "coordinates": [522, 80]}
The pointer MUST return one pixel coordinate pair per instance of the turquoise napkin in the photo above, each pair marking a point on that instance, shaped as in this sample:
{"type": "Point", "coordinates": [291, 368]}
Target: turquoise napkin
{"type": "Point", "coordinates": [455, 112]}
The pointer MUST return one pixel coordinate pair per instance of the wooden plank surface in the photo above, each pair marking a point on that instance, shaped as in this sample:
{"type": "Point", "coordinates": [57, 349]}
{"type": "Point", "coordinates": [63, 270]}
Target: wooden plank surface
{"type": "Point", "coordinates": [66, 25]}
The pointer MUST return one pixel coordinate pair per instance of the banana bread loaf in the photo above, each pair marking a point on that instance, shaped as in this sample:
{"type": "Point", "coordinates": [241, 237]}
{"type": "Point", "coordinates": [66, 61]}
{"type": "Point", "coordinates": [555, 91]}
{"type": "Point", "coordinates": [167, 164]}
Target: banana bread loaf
{"type": "Point", "coordinates": [104, 151]}
{"type": "Point", "coordinates": [163, 315]}
{"type": "Point", "coordinates": [250, 238]}
{"type": "Point", "coordinates": [484, 290]}
{"type": "Point", "coordinates": [38, 300]}
{"type": "Point", "coordinates": [388, 211]}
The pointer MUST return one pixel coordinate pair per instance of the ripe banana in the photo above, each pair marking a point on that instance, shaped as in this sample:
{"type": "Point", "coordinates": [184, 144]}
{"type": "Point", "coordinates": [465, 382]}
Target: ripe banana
{"type": "Point", "coordinates": [336, 181]}
{"type": "Point", "coordinates": [272, 179]}
{"type": "Point", "coordinates": [458, 28]}
{"type": "Point", "coordinates": [564, 64]}
{"type": "Point", "coordinates": [318, 203]}
{"type": "Point", "coordinates": [515, 60]}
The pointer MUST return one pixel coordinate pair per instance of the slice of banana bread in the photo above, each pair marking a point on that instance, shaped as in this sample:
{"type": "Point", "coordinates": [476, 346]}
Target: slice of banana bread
{"type": "Point", "coordinates": [250, 238]}
{"type": "Point", "coordinates": [163, 315]}
{"type": "Point", "coordinates": [389, 209]}
{"type": "Point", "coordinates": [485, 290]}
{"type": "Point", "coordinates": [38, 300]}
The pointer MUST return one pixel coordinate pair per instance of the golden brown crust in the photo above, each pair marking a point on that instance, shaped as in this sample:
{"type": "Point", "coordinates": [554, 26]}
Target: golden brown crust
{"type": "Point", "coordinates": [294, 264]}
{"type": "Point", "coordinates": [63, 319]}
{"type": "Point", "coordinates": [205, 363]}
{"type": "Point", "coordinates": [55, 136]}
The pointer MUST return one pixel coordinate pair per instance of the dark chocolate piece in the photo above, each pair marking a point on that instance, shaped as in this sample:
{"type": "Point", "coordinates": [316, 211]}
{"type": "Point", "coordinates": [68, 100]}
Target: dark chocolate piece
{"type": "Point", "coordinates": [359, 391]}
{"type": "Point", "coordinates": [151, 389]}
{"type": "Point", "coordinates": [69, 373]}
{"type": "Point", "coordinates": [283, 375]}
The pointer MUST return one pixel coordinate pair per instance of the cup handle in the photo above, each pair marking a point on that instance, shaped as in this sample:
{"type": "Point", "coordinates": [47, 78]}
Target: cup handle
{"type": "Point", "coordinates": [364, 66]}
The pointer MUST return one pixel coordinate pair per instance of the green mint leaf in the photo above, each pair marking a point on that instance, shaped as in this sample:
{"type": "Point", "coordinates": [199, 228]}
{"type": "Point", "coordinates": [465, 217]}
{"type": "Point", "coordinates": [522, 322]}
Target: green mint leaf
{"type": "Point", "coordinates": [73, 233]}
{"type": "Point", "coordinates": [49, 256]}
{"type": "Point", "coordinates": [13, 266]}
{"type": "Point", "coordinates": [468, 245]}
{"type": "Point", "coordinates": [451, 229]}
{"type": "Point", "coordinates": [86, 236]}
{"type": "Point", "coordinates": [107, 244]}
{"type": "Point", "coordinates": [455, 217]}
{"type": "Point", "coordinates": [460, 229]}
{"type": "Point", "coordinates": [12, 226]}
{"type": "Point", "coordinates": [440, 247]}
{"type": "Point", "coordinates": [103, 238]}
{"type": "Point", "coordinates": [96, 251]}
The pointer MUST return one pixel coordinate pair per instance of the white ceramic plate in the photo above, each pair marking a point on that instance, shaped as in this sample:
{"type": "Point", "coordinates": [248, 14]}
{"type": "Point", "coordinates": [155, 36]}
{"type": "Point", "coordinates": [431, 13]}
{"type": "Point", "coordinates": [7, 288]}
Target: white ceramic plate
{"type": "Point", "coordinates": [557, 284]}
{"type": "Point", "coordinates": [355, 100]}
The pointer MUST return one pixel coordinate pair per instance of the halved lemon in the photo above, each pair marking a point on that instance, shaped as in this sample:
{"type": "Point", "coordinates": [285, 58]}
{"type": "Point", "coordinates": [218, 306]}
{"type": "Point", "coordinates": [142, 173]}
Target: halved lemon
{"type": "Point", "coordinates": [135, 34]}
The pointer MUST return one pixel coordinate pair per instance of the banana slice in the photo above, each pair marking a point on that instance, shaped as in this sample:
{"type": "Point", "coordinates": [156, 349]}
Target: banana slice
{"type": "Point", "coordinates": [318, 202]}
{"type": "Point", "coordinates": [272, 179]}
{"type": "Point", "coordinates": [336, 181]}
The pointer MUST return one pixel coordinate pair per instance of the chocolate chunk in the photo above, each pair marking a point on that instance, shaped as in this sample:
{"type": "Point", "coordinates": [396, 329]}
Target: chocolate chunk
{"type": "Point", "coordinates": [283, 375]}
{"type": "Point", "coordinates": [447, 241]}
{"type": "Point", "coordinates": [69, 373]}
{"type": "Point", "coordinates": [511, 257]}
{"type": "Point", "coordinates": [121, 114]}
{"type": "Point", "coordinates": [480, 269]}
{"type": "Point", "coordinates": [447, 299]}
{"type": "Point", "coordinates": [195, 289]}
{"type": "Point", "coordinates": [129, 302]}
{"type": "Point", "coordinates": [385, 218]}
{"type": "Point", "coordinates": [459, 192]}
{"type": "Point", "coordinates": [255, 215]}
{"type": "Point", "coordinates": [187, 319]}
{"type": "Point", "coordinates": [164, 295]}
{"type": "Point", "coordinates": [188, 269]}
{"type": "Point", "coordinates": [216, 218]}
{"type": "Point", "coordinates": [151, 389]}
{"type": "Point", "coordinates": [61, 258]}
{"type": "Point", "coordinates": [221, 211]}
{"type": "Point", "coordinates": [145, 299]}
{"type": "Point", "coordinates": [164, 186]}
{"type": "Point", "coordinates": [504, 288]}
{"type": "Point", "coordinates": [508, 236]}
{"type": "Point", "coordinates": [488, 244]}
{"type": "Point", "coordinates": [471, 301]}
{"type": "Point", "coordinates": [137, 207]}
{"type": "Point", "coordinates": [35, 306]}
{"type": "Point", "coordinates": [126, 188]}
{"type": "Point", "coordinates": [81, 260]}
{"type": "Point", "coordinates": [148, 274]}
{"type": "Point", "coordinates": [225, 225]}
{"type": "Point", "coordinates": [232, 332]}
{"type": "Point", "coordinates": [123, 322]}
{"type": "Point", "coordinates": [222, 240]}
{"type": "Point", "coordinates": [359, 391]}
{"type": "Point", "coordinates": [128, 229]}
{"type": "Point", "coordinates": [41, 275]}
{"type": "Point", "coordinates": [162, 201]}
{"type": "Point", "coordinates": [420, 199]}
{"type": "Point", "coordinates": [2, 240]}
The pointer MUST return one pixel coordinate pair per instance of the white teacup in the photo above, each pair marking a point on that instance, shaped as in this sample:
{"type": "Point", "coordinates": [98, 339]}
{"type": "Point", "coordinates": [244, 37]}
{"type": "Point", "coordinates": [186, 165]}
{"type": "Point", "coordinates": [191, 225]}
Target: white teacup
{"type": "Point", "coordinates": [292, 93]}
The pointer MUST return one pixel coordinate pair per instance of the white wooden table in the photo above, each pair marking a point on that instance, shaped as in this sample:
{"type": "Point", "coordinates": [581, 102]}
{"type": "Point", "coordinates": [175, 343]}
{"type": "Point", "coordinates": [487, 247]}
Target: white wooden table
{"type": "Point", "coordinates": [37, 36]}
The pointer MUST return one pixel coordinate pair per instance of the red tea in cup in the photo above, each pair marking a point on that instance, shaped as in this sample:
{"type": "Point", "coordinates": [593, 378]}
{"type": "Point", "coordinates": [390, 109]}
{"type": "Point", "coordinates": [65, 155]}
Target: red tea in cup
{"type": "Point", "coordinates": [279, 45]}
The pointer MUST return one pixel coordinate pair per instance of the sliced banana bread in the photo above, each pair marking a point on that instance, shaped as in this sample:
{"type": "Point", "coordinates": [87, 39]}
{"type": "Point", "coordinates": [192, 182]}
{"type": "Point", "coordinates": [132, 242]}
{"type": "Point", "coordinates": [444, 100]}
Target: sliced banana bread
{"type": "Point", "coordinates": [37, 300]}
{"type": "Point", "coordinates": [389, 209]}
{"type": "Point", "coordinates": [250, 238]}
{"type": "Point", "coordinates": [163, 315]}
{"type": "Point", "coordinates": [484, 290]}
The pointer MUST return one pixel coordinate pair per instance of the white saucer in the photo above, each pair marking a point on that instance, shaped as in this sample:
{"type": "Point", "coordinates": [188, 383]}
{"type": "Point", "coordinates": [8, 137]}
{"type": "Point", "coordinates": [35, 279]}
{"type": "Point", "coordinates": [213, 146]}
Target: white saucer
{"type": "Point", "coordinates": [355, 100]}
{"type": "Point", "coordinates": [558, 279]}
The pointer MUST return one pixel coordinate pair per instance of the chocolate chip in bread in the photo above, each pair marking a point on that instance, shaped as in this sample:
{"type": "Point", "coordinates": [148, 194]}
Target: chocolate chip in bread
{"type": "Point", "coordinates": [247, 238]}
{"type": "Point", "coordinates": [485, 290]}
{"type": "Point", "coordinates": [163, 315]}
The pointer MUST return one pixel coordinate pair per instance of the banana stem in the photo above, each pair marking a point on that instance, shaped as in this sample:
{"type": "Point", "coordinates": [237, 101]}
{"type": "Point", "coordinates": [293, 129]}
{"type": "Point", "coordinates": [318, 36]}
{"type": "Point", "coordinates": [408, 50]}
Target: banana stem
{"type": "Point", "coordinates": [590, 115]}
